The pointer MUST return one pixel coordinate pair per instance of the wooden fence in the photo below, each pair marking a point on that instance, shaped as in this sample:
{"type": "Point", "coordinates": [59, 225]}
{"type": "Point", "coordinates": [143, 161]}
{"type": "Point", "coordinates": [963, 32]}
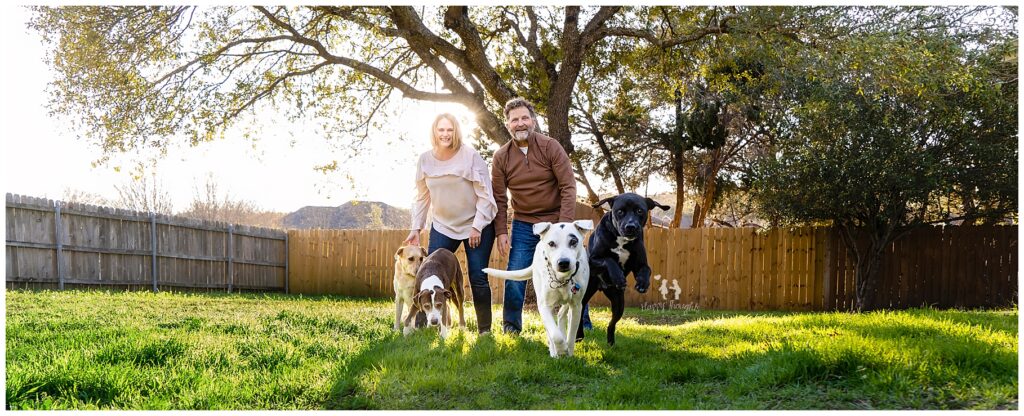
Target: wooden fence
{"type": "Point", "coordinates": [56, 245]}
{"type": "Point", "coordinates": [724, 268]}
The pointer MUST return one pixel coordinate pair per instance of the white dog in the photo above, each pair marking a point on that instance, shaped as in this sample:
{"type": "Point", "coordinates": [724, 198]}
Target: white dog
{"type": "Point", "coordinates": [560, 273]}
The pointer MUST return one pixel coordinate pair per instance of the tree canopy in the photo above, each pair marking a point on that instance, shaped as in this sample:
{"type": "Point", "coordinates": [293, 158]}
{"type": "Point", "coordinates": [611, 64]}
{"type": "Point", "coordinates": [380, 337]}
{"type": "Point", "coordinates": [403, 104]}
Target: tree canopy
{"type": "Point", "coordinates": [895, 130]}
{"type": "Point", "coordinates": [698, 95]}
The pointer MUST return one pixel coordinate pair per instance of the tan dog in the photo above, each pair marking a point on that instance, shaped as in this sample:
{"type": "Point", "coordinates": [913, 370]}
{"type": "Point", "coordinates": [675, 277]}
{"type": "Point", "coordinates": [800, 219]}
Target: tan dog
{"type": "Point", "coordinates": [439, 280]}
{"type": "Point", "coordinates": [407, 262]}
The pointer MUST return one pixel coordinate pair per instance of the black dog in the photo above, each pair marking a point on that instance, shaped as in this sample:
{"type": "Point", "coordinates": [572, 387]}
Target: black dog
{"type": "Point", "coordinates": [617, 248]}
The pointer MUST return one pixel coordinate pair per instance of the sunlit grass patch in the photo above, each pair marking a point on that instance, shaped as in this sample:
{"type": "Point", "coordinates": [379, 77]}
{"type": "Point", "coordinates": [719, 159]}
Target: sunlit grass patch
{"type": "Point", "coordinates": [97, 350]}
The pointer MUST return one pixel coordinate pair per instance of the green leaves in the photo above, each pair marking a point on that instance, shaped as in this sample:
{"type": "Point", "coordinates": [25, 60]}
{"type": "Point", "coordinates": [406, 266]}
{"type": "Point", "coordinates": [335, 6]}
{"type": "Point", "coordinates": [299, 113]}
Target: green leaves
{"type": "Point", "coordinates": [704, 125]}
{"type": "Point", "coordinates": [877, 130]}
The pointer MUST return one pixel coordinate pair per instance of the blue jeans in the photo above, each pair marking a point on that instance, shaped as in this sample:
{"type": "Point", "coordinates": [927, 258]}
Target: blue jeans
{"type": "Point", "coordinates": [520, 256]}
{"type": "Point", "coordinates": [476, 258]}
{"type": "Point", "coordinates": [585, 318]}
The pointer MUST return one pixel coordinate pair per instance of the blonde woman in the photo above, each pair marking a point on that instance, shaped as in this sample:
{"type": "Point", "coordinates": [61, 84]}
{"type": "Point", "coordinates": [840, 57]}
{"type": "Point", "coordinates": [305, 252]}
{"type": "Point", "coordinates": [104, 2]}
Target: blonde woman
{"type": "Point", "coordinates": [453, 184]}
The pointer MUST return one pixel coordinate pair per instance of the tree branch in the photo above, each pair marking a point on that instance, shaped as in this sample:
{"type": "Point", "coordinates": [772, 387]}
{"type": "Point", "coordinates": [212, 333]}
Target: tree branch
{"type": "Point", "coordinates": [591, 33]}
{"type": "Point", "coordinates": [406, 89]}
{"type": "Point", "coordinates": [653, 39]}
{"type": "Point", "coordinates": [456, 18]}
{"type": "Point", "coordinates": [531, 45]}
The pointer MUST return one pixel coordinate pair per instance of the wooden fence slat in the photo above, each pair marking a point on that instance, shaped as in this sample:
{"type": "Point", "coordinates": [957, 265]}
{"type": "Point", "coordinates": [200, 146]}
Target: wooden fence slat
{"type": "Point", "coordinates": [705, 297]}
{"type": "Point", "coordinates": [915, 287]}
{"type": "Point", "coordinates": [723, 247]}
{"type": "Point", "coordinates": [744, 268]}
{"type": "Point", "coordinates": [727, 253]}
{"type": "Point", "coordinates": [1008, 276]}
{"type": "Point", "coordinates": [818, 270]}
{"type": "Point", "coordinates": [718, 266]}
{"type": "Point", "coordinates": [737, 281]}
{"type": "Point", "coordinates": [1000, 290]}
{"type": "Point", "coordinates": [976, 271]}
{"type": "Point", "coordinates": [784, 271]}
{"type": "Point", "coordinates": [803, 262]}
{"type": "Point", "coordinates": [800, 268]}
{"type": "Point", "coordinates": [59, 239]}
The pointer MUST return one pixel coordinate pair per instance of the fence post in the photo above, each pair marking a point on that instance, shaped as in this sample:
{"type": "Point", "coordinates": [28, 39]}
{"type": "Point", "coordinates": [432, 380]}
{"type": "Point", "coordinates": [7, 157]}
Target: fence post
{"type": "Point", "coordinates": [830, 276]}
{"type": "Point", "coordinates": [152, 244]}
{"type": "Point", "coordinates": [60, 245]}
{"type": "Point", "coordinates": [286, 255]}
{"type": "Point", "coordinates": [231, 250]}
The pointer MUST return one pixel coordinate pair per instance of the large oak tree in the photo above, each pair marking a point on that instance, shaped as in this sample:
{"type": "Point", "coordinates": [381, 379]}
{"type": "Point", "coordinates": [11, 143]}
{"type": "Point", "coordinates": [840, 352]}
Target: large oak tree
{"type": "Point", "coordinates": [135, 76]}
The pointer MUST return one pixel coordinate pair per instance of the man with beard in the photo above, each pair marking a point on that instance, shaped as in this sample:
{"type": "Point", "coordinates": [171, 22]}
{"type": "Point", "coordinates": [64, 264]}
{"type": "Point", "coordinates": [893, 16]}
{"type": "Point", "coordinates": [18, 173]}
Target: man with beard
{"type": "Point", "coordinates": [535, 169]}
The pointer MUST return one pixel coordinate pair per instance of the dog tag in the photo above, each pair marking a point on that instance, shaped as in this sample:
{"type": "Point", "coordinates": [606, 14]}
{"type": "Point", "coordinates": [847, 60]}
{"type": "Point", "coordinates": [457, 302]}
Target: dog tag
{"type": "Point", "coordinates": [575, 287]}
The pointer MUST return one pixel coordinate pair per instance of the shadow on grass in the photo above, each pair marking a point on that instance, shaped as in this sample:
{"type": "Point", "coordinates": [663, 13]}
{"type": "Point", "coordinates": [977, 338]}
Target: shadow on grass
{"type": "Point", "coordinates": [682, 367]}
{"type": "Point", "coordinates": [497, 371]}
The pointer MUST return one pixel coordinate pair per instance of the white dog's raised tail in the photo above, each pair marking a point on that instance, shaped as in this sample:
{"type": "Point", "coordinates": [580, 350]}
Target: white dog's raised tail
{"type": "Point", "coordinates": [524, 274]}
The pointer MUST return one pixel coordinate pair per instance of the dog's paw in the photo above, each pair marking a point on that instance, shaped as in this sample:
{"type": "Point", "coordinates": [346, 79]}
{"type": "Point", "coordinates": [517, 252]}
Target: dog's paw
{"type": "Point", "coordinates": [642, 286]}
{"type": "Point", "coordinates": [567, 350]}
{"type": "Point", "coordinates": [619, 280]}
{"type": "Point", "coordinates": [407, 331]}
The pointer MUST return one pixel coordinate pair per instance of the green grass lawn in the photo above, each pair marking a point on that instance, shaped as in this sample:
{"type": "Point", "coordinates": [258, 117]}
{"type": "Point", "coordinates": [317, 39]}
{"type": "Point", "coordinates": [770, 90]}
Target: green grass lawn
{"type": "Point", "coordinates": [87, 350]}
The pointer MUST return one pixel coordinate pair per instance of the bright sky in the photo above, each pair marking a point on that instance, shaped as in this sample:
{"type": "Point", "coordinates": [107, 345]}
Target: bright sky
{"type": "Point", "coordinates": [42, 157]}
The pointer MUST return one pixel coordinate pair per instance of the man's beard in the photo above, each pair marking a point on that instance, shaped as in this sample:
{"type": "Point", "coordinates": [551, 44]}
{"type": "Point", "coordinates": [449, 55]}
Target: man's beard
{"type": "Point", "coordinates": [521, 135]}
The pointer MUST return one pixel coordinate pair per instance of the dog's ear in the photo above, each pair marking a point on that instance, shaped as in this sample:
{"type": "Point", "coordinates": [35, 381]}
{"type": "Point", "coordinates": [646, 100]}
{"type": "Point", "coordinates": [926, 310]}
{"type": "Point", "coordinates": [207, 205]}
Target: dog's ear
{"type": "Point", "coordinates": [541, 227]}
{"type": "Point", "coordinates": [652, 203]}
{"type": "Point", "coordinates": [417, 300]}
{"type": "Point", "coordinates": [447, 294]}
{"type": "Point", "coordinates": [609, 200]}
{"type": "Point", "coordinates": [400, 253]}
{"type": "Point", "coordinates": [585, 225]}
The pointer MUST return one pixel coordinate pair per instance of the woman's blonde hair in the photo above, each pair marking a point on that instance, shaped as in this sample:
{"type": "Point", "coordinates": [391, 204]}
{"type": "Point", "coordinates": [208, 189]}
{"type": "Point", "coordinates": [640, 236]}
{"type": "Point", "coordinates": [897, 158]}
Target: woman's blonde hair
{"type": "Point", "coordinates": [456, 133]}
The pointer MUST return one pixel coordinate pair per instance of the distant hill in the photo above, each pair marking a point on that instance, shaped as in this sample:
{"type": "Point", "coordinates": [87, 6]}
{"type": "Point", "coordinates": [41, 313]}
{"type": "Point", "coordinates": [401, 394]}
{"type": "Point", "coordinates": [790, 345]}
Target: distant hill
{"type": "Point", "coordinates": [350, 215]}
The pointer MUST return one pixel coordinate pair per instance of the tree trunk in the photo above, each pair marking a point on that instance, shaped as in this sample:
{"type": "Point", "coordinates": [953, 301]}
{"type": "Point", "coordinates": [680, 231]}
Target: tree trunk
{"type": "Point", "coordinates": [677, 171]}
{"type": "Point", "coordinates": [592, 197]}
{"type": "Point", "coordinates": [565, 81]}
{"type": "Point", "coordinates": [607, 153]}
{"type": "Point", "coordinates": [867, 278]}
{"type": "Point", "coordinates": [700, 210]}
{"type": "Point", "coordinates": [868, 261]}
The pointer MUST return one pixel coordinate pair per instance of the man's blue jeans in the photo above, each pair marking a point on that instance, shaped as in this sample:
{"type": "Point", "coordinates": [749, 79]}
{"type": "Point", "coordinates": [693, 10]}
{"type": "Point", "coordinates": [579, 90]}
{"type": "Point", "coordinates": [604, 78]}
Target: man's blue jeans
{"type": "Point", "coordinates": [520, 256]}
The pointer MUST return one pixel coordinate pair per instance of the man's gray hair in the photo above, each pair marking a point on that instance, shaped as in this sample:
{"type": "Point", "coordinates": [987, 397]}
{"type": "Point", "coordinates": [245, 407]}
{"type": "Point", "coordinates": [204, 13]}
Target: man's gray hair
{"type": "Point", "coordinates": [520, 102]}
